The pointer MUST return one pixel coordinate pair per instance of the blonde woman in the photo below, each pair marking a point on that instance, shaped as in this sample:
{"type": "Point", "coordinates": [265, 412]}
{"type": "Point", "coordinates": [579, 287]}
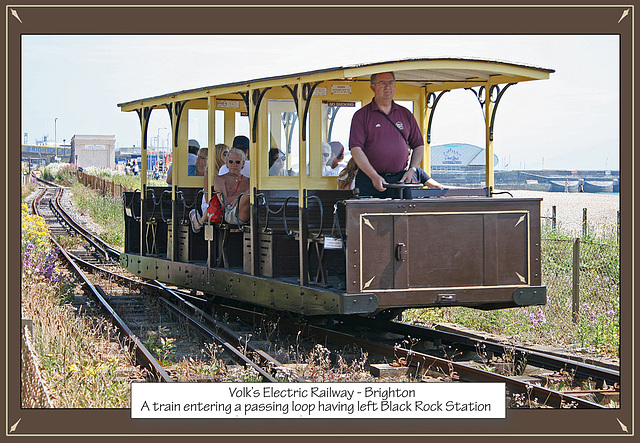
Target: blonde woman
{"type": "Point", "coordinates": [222, 151]}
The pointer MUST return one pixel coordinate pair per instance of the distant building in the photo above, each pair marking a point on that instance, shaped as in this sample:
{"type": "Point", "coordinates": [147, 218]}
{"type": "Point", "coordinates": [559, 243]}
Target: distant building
{"type": "Point", "coordinates": [461, 157]}
{"type": "Point", "coordinates": [94, 150]}
{"type": "Point", "coordinates": [42, 155]}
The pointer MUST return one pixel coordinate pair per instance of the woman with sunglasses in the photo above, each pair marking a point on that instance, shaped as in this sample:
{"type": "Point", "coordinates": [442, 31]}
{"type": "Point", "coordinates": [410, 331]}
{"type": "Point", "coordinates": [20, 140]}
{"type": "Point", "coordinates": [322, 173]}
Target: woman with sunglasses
{"type": "Point", "coordinates": [222, 151]}
{"type": "Point", "coordinates": [234, 187]}
{"type": "Point", "coordinates": [276, 162]}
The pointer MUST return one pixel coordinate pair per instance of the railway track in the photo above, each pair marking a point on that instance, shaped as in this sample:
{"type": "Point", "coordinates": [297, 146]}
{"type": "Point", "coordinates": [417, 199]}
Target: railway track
{"type": "Point", "coordinates": [422, 351]}
{"type": "Point", "coordinates": [523, 391]}
{"type": "Point", "coordinates": [126, 300]}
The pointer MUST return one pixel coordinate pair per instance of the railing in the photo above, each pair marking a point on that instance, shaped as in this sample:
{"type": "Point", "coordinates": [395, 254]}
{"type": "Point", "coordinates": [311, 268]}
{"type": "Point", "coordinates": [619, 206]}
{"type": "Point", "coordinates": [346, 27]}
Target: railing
{"type": "Point", "coordinates": [106, 187]}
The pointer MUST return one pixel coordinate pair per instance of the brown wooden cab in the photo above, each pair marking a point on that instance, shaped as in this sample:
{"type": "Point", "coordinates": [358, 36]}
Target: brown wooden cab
{"type": "Point", "coordinates": [470, 251]}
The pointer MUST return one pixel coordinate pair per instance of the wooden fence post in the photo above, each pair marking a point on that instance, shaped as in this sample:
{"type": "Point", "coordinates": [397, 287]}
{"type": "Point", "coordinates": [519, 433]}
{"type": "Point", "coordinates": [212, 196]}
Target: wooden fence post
{"type": "Point", "coordinates": [553, 217]}
{"type": "Point", "coordinates": [575, 305]}
{"type": "Point", "coordinates": [584, 222]}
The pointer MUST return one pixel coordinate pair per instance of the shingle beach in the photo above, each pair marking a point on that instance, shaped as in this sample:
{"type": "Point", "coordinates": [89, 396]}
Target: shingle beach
{"type": "Point", "coordinates": [601, 208]}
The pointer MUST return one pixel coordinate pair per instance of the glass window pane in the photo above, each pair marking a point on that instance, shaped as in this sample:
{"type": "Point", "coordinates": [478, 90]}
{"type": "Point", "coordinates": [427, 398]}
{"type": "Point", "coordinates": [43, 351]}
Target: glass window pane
{"type": "Point", "coordinates": [338, 121]}
{"type": "Point", "coordinates": [284, 158]}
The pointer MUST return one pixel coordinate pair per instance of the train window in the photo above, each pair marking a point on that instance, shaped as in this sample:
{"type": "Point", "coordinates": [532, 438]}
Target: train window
{"type": "Point", "coordinates": [242, 124]}
{"type": "Point", "coordinates": [284, 157]}
{"type": "Point", "coordinates": [406, 103]}
{"type": "Point", "coordinates": [199, 126]}
{"type": "Point", "coordinates": [219, 126]}
{"type": "Point", "coordinates": [337, 117]}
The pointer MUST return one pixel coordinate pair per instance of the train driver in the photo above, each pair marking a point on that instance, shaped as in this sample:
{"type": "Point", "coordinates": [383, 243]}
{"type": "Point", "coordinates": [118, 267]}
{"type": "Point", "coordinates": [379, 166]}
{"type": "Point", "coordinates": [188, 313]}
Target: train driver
{"type": "Point", "coordinates": [382, 135]}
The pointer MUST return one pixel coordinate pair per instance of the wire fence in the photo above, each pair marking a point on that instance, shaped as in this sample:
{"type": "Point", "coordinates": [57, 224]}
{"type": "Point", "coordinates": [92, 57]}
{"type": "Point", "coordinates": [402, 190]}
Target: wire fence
{"type": "Point", "coordinates": [582, 274]}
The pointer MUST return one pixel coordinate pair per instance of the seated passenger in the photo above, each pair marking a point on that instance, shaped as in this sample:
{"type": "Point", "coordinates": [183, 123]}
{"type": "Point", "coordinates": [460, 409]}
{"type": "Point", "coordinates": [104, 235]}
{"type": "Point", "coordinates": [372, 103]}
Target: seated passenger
{"type": "Point", "coordinates": [222, 151]}
{"type": "Point", "coordinates": [422, 177]}
{"type": "Point", "coordinates": [347, 177]}
{"type": "Point", "coordinates": [276, 163]}
{"type": "Point", "coordinates": [194, 148]}
{"type": "Point", "coordinates": [232, 185]}
{"type": "Point", "coordinates": [334, 164]}
{"type": "Point", "coordinates": [201, 163]}
{"type": "Point", "coordinates": [240, 142]}
{"type": "Point", "coordinates": [327, 161]}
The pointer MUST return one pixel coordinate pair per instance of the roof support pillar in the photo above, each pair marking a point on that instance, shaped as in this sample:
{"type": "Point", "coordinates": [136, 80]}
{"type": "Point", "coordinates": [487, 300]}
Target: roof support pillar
{"type": "Point", "coordinates": [253, 106]}
{"type": "Point", "coordinates": [144, 115]}
{"type": "Point", "coordinates": [302, 108]}
{"type": "Point", "coordinates": [489, 103]}
{"type": "Point", "coordinates": [488, 118]}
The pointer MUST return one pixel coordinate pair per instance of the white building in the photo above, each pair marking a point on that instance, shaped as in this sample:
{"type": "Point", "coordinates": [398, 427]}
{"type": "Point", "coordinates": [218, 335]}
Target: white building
{"type": "Point", "coordinates": [94, 150]}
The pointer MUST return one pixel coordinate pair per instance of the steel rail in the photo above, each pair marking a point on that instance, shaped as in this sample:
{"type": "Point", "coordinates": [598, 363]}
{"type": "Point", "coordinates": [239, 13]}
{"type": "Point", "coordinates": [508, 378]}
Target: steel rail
{"type": "Point", "coordinates": [142, 353]}
{"type": "Point", "coordinates": [540, 359]}
{"type": "Point", "coordinates": [109, 252]}
{"type": "Point", "coordinates": [236, 353]}
{"type": "Point", "coordinates": [224, 333]}
{"type": "Point", "coordinates": [467, 373]}
{"type": "Point", "coordinates": [419, 360]}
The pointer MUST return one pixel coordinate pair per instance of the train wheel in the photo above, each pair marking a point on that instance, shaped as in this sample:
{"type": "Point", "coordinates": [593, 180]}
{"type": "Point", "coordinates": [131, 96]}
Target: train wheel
{"type": "Point", "coordinates": [390, 314]}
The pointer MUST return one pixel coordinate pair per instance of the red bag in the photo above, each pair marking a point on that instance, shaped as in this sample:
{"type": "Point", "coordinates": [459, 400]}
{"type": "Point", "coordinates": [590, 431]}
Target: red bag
{"type": "Point", "coordinates": [214, 211]}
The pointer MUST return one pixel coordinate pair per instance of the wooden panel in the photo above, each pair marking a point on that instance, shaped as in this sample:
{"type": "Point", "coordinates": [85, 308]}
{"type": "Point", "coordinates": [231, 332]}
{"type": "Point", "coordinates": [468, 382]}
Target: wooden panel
{"type": "Point", "coordinates": [378, 263]}
{"type": "Point", "coordinates": [512, 249]}
{"type": "Point", "coordinates": [446, 250]}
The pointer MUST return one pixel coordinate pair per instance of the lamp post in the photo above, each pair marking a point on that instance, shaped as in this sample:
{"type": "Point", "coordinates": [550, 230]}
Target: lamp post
{"type": "Point", "coordinates": [159, 137]}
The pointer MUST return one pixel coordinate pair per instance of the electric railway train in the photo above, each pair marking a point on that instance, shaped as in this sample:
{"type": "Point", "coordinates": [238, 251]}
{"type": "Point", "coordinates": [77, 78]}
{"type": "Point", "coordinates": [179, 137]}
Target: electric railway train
{"type": "Point", "coordinates": [316, 250]}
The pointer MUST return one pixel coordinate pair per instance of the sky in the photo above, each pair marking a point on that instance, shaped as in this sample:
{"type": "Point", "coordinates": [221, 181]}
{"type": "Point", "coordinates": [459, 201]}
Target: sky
{"type": "Point", "coordinates": [72, 84]}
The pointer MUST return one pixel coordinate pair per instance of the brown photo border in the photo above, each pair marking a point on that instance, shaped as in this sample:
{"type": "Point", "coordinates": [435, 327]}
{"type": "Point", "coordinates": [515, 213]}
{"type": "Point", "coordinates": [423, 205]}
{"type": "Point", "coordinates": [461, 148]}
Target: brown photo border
{"type": "Point", "coordinates": [294, 18]}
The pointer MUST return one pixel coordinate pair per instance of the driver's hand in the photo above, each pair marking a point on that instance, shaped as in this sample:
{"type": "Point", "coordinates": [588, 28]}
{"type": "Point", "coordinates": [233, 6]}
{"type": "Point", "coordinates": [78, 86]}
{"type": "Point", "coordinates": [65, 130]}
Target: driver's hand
{"type": "Point", "coordinates": [378, 183]}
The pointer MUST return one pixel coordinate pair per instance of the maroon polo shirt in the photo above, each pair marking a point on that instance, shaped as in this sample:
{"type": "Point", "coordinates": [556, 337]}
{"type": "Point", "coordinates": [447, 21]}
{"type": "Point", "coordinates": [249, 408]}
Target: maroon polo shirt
{"type": "Point", "coordinates": [385, 148]}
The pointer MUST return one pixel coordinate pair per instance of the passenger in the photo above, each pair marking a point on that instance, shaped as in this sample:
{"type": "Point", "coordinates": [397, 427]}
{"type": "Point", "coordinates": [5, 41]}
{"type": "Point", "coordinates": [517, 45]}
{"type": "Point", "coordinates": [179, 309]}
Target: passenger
{"type": "Point", "coordinates": [222, 151]}
{"type": "Point", "coordinates": [422, 177]}
{"type": "Point", "coordinates": [201, 163]}
{"type": "Point", "coordinates": [240, 142]}
{"type": "Point", "coordinates": [232, 185]}
{"type": "Point", "coordinates": [192, 158]}
{"type": "Point", "coordinates": [327, 160]}
{"type": "Point", "coordinates": [382, 133]}
{"type": "Point", "coordinates": [347, 177]}
{"type": "Point", "coordinates": [337, 157]}
{"type": "Point", "coordinates": [276, 163]}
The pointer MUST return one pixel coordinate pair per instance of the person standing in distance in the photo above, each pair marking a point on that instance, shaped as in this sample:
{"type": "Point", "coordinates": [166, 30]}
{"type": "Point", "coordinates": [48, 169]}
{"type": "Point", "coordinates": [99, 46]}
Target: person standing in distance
{"type": "Point", "coordinates": [382, 135]}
